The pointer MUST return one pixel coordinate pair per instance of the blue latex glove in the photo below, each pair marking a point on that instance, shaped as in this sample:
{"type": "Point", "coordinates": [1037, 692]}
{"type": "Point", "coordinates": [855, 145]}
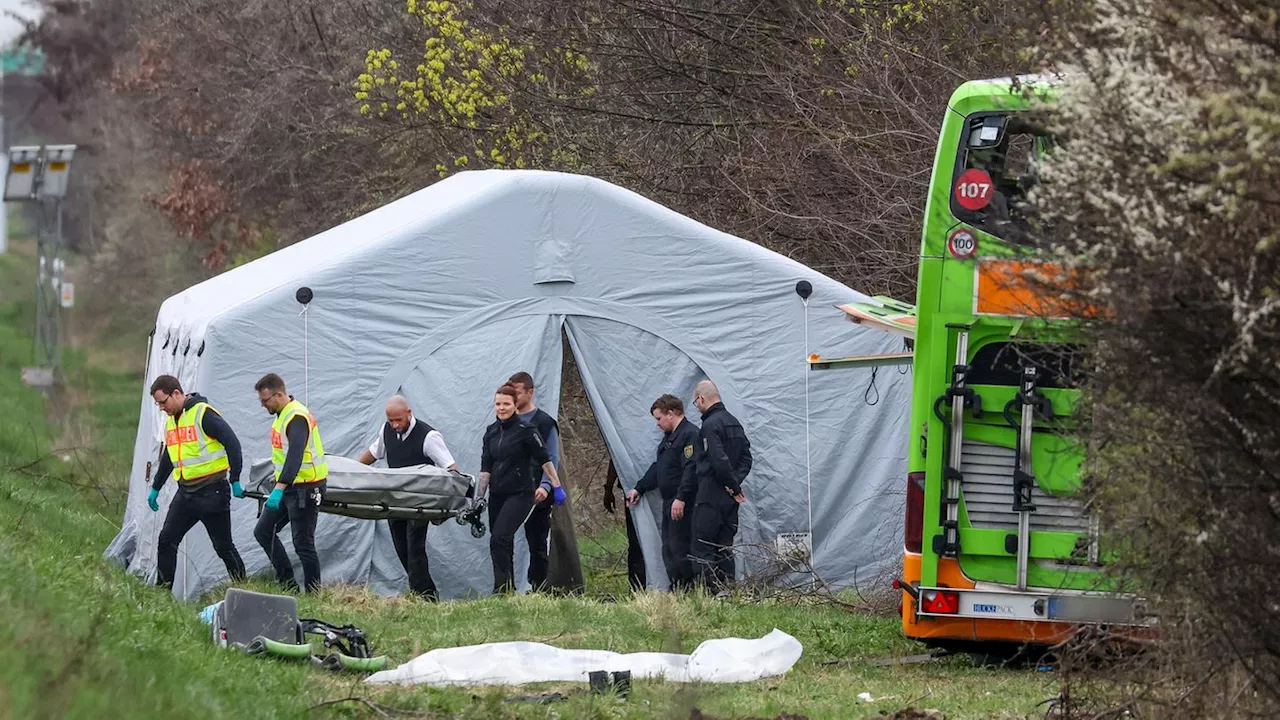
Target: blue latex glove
{"type": "Point", "coordinates": [273, 500]}
{"type": "Point", "coordinates": [560, 495]}
{"type": "Point", "coordinates": [151, 500]}
{"type": "Point", "coordinates": [236, 489]}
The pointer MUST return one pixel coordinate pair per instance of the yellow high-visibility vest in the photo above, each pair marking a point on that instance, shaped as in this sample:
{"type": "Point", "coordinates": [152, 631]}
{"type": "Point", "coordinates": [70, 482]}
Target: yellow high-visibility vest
{"type": "Point", "coordinates": [314, 468]}
{"type": "Point", "coordinates": [194, 454]}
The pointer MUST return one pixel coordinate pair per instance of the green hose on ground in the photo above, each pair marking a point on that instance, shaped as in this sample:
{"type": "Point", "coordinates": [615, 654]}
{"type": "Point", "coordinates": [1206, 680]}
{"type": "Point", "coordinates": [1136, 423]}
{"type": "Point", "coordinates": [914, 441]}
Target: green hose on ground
{"type": "Point", "coordinates": [334, 662]}
{"type": "Point", "coordinates": [266, 646]}
{"type": "Point", "coordinates": [338, 662]}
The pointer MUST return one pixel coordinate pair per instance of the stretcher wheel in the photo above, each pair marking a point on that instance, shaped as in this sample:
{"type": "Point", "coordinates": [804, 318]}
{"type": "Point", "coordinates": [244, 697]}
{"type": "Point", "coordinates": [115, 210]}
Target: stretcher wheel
{"type": "Point", "coordinates": [477, 531]}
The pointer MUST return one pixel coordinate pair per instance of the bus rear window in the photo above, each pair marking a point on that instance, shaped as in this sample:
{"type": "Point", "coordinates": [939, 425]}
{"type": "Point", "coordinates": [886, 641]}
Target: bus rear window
{"type": "Point", "coordinates": [1001, 363]}
{"type": "Point", "coordinates": [995, 169]}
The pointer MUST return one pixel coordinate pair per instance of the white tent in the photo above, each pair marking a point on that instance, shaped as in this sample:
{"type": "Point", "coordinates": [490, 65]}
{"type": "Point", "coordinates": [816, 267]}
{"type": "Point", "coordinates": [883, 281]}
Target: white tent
{"type": "Point", "coordinates": [443, 294]}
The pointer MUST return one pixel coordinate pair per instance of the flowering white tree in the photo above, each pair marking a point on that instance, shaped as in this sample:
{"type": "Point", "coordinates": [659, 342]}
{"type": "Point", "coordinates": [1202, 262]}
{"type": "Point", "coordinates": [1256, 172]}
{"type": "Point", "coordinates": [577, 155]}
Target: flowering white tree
{"type": "Point", "coordinates": [1166, 194]}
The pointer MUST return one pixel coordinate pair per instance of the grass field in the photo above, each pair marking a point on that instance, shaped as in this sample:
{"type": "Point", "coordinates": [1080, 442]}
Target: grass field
{"type": "Point", "coordinates": [84, 639]}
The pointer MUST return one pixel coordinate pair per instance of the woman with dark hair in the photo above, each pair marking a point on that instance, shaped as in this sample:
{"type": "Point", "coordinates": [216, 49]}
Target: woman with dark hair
{"type": "Point", "coordinates": [512, 461]}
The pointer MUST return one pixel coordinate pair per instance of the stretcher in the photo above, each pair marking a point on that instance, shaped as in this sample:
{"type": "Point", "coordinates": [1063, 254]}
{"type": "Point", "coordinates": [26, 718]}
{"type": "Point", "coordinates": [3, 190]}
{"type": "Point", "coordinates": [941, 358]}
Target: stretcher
{"type": "Point", "coordinates": [353, 489]}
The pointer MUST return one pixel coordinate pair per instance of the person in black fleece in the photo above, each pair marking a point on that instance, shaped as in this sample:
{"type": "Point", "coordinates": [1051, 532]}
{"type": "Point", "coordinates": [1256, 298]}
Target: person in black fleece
{"type": "Point", "coordinates": [512, 454]}
{"type": "Point", "coordinates": [202, 497]}
{"type": "Point", "coordinates": [713, 483]}
{"type": "Point", "coordinates": [675, 455]}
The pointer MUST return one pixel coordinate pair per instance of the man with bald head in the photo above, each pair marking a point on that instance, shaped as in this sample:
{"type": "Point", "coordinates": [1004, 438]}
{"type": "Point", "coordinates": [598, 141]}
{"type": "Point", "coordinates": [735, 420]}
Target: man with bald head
{"type": "Point", "coordinates": [404, 442]}
{"type": "Point", "coordinates": [712, 483]}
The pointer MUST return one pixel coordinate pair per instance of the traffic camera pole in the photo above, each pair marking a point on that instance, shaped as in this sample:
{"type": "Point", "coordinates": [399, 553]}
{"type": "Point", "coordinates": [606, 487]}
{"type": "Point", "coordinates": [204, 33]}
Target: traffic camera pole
{"type": "Point", "coordinates": [38, 174]}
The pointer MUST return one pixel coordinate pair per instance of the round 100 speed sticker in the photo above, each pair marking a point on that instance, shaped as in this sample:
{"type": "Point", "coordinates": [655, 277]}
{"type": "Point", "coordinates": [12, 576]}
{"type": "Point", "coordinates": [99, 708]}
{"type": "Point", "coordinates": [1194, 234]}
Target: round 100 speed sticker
{"type": "Point", "coordinates": [962, 244]}
{"type": "Point", "coordinates": [973, 189]}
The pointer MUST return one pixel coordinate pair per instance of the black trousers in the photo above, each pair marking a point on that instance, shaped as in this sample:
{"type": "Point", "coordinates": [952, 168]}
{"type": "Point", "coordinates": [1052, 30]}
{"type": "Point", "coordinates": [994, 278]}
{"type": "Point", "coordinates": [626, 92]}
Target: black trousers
{"type": "Point", "coordinates": [537, 533]}
{"type": "Point", "coordinates": [714, 526]}
{"type": "Point", "coordinates": [300, 510]}
{"type": "Point", "coordinates": [410, 539]}
{"type": "Point", "coordinates": [507, 512]}
{"type": "Point", "coordinates": [676, 537]}
{"type": "Point", "coordinates": [211, 506]}
{"type": "Point", "coordinates": [636, 573]}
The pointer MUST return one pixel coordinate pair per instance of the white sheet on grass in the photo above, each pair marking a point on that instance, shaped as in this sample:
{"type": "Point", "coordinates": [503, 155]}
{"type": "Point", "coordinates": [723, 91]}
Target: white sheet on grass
{"type": "Point", "coordinates": [726, 660]}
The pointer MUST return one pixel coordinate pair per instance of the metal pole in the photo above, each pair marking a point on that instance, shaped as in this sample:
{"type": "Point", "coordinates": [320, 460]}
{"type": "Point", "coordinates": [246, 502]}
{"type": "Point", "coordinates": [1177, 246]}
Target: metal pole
{"type": "Point", "coordinates": [306, 360]}
{"type": "Point", "coordinates": [4, 210]}
{"type": "Point", "coordinates": [805, 289]}
{"type": "Point", "coordinates": [39, 355]}
{"type": "Point", "coordinates": [55, 299]}
{"type": "Point", "coordinates": [48, 315]}
{"type": "Point", "coordinates": [808, 456]}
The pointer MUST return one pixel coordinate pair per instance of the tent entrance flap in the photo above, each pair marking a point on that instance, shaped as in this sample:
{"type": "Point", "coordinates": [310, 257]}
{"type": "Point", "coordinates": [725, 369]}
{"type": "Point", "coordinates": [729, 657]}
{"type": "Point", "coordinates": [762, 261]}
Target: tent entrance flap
{"type": "Point", "coordinates": [625, 368]}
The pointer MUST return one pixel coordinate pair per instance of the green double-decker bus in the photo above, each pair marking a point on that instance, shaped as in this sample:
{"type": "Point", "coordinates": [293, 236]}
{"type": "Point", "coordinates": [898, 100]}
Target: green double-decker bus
{"type": "Point", "coordinates": [999, 546]}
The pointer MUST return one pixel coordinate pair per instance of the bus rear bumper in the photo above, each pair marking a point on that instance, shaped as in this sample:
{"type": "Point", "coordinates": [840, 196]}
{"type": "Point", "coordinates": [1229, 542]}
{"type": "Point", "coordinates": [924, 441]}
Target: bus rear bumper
{"type": "Point", "coordinates": [986, 612]}
{"type": "Point", "coordinates": [1031, 606]}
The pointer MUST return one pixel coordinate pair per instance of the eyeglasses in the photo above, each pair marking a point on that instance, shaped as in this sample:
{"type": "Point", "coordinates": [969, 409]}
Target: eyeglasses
{"type": "Point", "coordinates": [160, 403]}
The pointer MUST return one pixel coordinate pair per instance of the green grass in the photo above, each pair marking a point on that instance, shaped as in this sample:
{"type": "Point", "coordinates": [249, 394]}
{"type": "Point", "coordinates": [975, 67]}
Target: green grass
{"type": "Point", "coordinates": [604, 562]}
{"type": "Point", "coordinates": [84, 639]}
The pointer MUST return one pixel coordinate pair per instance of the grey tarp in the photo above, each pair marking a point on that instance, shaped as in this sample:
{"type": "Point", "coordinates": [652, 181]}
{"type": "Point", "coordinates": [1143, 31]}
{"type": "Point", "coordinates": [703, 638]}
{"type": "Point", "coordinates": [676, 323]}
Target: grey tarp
{"type": "Point", "coordinates": [443, 294]}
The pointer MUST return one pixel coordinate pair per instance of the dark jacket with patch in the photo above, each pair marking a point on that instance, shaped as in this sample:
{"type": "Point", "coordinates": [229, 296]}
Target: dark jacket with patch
{"type": "Point", "coordinates": [721, 460]}
{"type": "Point", "coordinates": [675, 451]}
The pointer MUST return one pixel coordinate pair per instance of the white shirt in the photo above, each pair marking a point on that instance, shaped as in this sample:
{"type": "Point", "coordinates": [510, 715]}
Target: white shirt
{"type": "Point", "coordinates": [432, 446]}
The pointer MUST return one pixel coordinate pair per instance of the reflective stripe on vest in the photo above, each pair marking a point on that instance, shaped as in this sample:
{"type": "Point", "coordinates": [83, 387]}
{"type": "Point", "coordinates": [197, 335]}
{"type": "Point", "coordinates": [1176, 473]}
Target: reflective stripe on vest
{"type": "Point", "coordinates": [314, 468]}
{"type": "Point", "coordinates": [194, 454]}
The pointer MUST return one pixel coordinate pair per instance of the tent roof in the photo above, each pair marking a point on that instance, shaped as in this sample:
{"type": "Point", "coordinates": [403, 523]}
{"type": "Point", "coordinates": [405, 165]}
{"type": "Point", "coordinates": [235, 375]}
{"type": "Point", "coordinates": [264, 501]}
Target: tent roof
{"type": "Point", "coordinates": [434, 207]}
{"type": "Point", "coordinates": [195, 307]}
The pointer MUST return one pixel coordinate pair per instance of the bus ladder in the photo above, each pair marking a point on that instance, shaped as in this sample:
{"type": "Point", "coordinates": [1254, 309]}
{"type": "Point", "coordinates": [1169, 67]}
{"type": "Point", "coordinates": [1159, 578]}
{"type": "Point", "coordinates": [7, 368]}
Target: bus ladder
{"type": "Point", "coordinates": [1032, 402]}
{"type": "Point", "coordinates": [961, 396]}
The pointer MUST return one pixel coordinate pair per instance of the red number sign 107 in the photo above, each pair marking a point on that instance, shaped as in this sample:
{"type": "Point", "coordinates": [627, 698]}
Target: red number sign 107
{"type": "Point", "coordinates": [973, 189]}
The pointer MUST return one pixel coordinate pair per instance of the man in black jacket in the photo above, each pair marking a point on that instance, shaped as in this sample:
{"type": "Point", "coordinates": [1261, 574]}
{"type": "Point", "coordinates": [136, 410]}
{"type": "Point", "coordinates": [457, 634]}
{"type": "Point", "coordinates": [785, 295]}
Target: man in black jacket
{"type": "Point", "coordinates": [405, 441]}
{"type": "Point", "coordinates": [201, 452]}
{"type": "Point", "coordinates": [713, 483]}
{"type": "Point", "coordinates": [537, 529]}
{"type": "Point", "coordinates": [675, 452]}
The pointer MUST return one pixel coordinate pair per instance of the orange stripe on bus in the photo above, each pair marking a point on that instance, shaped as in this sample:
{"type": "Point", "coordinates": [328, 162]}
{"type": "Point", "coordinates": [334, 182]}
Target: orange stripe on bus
{"type": "Point", "coordinates": [1022, 288]}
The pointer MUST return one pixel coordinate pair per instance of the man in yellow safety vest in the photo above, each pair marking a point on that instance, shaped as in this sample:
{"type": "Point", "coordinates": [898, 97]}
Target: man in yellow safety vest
{"type": "Point", "coordinates": [201, 452]}
{"type": "Point", "coordinates": [300, 471]}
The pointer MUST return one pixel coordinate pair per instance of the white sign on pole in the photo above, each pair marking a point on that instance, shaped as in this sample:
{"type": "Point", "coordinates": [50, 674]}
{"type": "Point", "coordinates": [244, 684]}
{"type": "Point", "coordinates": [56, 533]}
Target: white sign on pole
{"type": "Point", "coordinates": [20, 178]}
{"type": "Point", "coordinates": [57, 170]}
{"type": "Point", "coordinates": [38, 377]}
{"type": "Point", "coordinates": [68, 295]}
